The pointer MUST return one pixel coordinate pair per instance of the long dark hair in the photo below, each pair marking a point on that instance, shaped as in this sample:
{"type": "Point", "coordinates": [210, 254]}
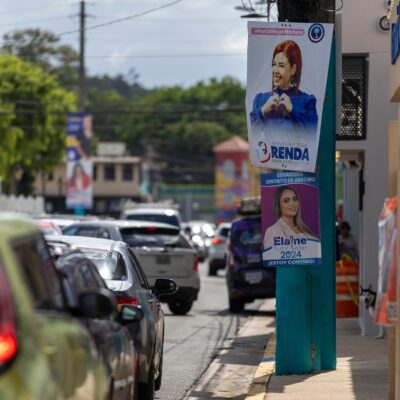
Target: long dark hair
{"type": "Point", "coordinates": [303, 228]}
{"type": "Point", "coordinates": [292, 52]}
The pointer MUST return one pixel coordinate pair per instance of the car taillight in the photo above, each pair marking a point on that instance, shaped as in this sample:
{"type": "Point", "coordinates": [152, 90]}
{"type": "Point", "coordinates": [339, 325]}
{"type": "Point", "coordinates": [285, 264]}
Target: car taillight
{"type": "Point", "coordinates": [196, 263]}
{"type": "Point", "coordinates": [128, 300]}
{"type": "Point", "coordinates": [8, 335]}
{"type": "Point", "coordinates": [137, 370]}
{"type": "Point", "coordinates": [230, 261]}
{"type": "Point", "coordinates": [217, 240]}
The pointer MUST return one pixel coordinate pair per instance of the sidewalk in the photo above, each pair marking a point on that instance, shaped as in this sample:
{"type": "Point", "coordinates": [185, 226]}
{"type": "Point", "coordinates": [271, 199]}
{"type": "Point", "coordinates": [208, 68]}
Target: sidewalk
{"type": "Point", "coordinates": [361, 372]}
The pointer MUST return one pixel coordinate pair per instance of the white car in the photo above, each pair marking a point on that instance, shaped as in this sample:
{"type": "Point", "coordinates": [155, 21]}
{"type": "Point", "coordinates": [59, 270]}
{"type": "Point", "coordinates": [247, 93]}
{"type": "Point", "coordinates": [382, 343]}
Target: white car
{"type": "Point", "coordinates": [218, 248]}
{"type": "Point", "coordinates": [169, 216]}
{"type": "Point", "coordinates": [163, 251]}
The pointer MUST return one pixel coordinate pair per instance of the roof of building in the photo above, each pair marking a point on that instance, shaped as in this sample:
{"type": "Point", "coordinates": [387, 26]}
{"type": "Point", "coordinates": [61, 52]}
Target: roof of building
{"type": "Point", "coordinates": [234, 144]}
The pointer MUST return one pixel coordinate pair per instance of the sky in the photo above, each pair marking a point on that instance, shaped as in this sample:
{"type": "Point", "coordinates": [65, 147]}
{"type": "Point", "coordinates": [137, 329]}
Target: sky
{"type": "Point", "coordinates": [179, 44]}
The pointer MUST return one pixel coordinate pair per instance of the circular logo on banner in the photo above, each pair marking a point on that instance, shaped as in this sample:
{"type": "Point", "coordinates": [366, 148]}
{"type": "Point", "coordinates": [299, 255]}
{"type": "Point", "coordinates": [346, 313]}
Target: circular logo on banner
{"type": "Point", "coordinates": [263, 154]}
{"type": "Point", "coordinates": [316, 33]}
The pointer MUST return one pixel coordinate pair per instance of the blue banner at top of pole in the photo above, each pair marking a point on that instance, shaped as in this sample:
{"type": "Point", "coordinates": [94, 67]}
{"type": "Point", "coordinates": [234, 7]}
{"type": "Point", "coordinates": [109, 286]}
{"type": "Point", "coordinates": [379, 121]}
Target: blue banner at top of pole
{"type": "Point", "coordinates": [287, 69]}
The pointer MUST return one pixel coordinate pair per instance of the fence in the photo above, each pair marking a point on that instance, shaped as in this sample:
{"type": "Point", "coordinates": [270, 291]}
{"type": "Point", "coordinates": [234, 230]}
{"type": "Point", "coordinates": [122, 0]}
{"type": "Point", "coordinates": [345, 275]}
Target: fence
{"type": "Point", "coordinates": [22, 204]}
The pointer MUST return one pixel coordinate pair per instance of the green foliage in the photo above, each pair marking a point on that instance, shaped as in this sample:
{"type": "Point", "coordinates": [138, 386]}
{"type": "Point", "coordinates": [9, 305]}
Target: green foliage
{"type": "Point", "coordinates": [180, 127]}
{"type": "Point", "coordinates": [32, 119]}
{"type": "Point", "coordinates": [42, 49]}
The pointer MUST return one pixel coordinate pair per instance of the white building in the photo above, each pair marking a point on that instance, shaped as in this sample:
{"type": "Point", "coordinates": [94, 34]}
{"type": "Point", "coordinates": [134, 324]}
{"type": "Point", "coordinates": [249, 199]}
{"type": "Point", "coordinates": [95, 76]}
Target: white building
{"type": "Point", "coordinates": [362, 143]}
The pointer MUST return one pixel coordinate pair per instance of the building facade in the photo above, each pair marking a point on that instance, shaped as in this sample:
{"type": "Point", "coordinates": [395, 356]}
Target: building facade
{"type": "Point", "coordinates": [115, 180]}
{"type": "Point", "coordinates": [362, 145]}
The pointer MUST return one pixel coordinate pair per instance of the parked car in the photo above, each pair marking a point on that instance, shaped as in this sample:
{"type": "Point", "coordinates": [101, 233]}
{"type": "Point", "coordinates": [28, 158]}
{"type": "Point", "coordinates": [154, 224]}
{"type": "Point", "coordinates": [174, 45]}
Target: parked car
{"type": "Point", "coordinates": [113, 341]}
{"type": "Point", "coordinates": [163, 251]}
{"type": "Point", "coordinates": [45, 352]}
{"type": "Point", "coordinates": [48, 227]}
{"type": "Point", "coordinates": [121, 270]}
{"type": "Point", "coordinates": [165, 215]}
{"type": "Point", "coordinates": [246, 277]}
{"type": "Point", "coordinates": [219, 248]}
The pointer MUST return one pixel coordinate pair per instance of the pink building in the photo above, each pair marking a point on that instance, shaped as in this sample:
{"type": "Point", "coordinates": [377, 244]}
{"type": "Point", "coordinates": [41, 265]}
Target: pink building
{"type": "Point", "coordinates": [234, 177]}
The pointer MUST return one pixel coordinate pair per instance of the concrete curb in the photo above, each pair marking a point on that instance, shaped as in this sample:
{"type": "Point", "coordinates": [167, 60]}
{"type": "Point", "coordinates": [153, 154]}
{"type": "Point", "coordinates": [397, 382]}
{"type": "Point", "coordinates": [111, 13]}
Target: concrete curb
{"type": "Point", "coordinates": [266, 368]}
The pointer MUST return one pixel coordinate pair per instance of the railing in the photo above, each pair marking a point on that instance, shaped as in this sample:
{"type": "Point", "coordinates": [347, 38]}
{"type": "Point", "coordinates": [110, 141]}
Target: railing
{"type": "Point", "coordinates": [22, 204]}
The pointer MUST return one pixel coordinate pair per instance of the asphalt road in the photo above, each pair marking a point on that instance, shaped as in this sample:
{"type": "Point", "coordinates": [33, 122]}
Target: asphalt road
{"type": "Point", "coordinates": [194, 340]}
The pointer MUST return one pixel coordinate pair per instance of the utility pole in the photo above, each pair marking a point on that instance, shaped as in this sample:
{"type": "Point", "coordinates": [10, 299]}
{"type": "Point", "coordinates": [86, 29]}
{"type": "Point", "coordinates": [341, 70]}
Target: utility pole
{"type": "Point", "coordinates": [81, 89]}
{"type": "Point", "coordinates": [306, 301]}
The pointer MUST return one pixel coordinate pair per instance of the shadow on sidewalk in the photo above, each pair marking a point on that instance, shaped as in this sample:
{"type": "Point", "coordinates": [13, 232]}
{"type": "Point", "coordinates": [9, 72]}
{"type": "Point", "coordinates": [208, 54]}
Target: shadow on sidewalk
{"type": "Point", "coordinates": [366, 357]}
{"type": "Point", "coordinates": [361, 372]}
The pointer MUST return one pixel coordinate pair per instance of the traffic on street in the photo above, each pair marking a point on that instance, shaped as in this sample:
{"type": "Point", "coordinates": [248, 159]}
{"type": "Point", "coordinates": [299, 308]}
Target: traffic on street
{"type": "Point", "coordinates": [149, 317]}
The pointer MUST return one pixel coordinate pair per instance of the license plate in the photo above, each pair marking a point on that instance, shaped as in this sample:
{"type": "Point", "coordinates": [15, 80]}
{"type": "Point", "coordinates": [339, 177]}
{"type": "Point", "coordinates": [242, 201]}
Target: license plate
{"type": "Point", "coordinates": [253, 277]}
{"type": "Point", "coordinates": [253, 258]}
{"type": "Point", "coordinates": [163, 259]}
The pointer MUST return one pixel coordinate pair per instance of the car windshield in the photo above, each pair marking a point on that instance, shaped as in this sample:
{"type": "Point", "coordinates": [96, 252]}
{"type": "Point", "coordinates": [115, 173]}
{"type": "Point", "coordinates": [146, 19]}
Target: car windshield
{"type": "Point", "coordinates": [110, 264]}
{"type": "Point", "coordinates": [164, 218]}
{"type": "Point", "coordinates": [154, 237]}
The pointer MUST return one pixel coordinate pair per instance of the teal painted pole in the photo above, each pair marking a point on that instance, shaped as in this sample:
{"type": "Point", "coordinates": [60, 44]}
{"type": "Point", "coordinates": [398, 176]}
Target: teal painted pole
{"type": "Point", "coordinates": [326, 162]}
{"type": "Point", "coordinates": [305, 296]}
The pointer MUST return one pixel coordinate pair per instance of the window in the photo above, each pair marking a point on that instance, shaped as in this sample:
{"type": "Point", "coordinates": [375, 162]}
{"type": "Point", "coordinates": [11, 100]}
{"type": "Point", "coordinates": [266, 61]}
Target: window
{"type": "Point", "coordinates": [94, 172]}
{"type": "Point", "coordinates": [154, 237]}
{"type": "Point", "coordinates": [87, 231]}
{"type": "Point", "coordinates": [139, 272]}
{"type": "Point", "coordinates": [127, 173]}
{"type": "Point", "coordinates": [354, 97]}
{"type": "Point", "coordinates": [109, 172]}
{"type": "Point", "coordinates": [164, 218]}
{"type": "Point", "coordinates": [110, 264]}
{"type": "Point", "coordinates": [40, 273]}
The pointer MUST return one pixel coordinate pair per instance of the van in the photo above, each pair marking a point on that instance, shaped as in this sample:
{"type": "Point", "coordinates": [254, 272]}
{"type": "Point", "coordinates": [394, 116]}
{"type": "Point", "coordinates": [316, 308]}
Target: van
{"type": "Point", "coordinates": [246, 277]}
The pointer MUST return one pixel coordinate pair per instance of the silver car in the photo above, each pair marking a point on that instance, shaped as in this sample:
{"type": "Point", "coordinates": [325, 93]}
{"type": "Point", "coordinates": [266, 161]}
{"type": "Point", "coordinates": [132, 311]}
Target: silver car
{"type": "Point", "coordinates": [123, 275]}
{"type": "Point", "coordinates": [163, 250]}
{"type": "Point", "coordinates": [219, 248]}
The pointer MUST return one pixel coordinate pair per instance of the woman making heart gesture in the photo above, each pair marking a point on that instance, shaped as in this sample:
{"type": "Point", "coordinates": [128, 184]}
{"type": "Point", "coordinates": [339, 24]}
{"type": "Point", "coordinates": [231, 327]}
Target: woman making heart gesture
{"type": "Point", "coordinates": [286, 107]}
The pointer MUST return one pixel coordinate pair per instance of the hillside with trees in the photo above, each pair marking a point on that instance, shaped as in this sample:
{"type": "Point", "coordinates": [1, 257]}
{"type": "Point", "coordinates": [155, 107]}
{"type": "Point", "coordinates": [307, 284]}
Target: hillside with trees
{"type": "Point", "coordinates": [177, 127]}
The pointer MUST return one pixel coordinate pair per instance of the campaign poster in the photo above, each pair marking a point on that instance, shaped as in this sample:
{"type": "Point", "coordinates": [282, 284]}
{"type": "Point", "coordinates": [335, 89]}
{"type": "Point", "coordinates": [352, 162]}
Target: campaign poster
{"type": "Point", "coordinates": [385, 307]}
{"type": "Point", "coordinates": [290, 219]}
{"type": "Point", "coordinates": [287, 68]}
{"type": "Point", "coordinates": [79, 161]}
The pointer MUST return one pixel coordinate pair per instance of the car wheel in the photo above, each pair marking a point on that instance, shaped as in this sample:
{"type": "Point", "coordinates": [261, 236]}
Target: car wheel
{"type": "Point", "coordinates": [235, 305]}
{"type": "Point", "coordinates": [212, 271]}
{"type": "Point", "coordinates": [146, 390]}
{"type": "Point", "coordinates": [157, 381]}
{"type": "Point", "coordinates": [180, 306]}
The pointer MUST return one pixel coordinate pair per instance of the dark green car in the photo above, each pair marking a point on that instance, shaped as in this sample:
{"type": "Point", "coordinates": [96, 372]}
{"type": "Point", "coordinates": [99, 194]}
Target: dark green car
{"type": "Point", "coordinates": [45, 353]}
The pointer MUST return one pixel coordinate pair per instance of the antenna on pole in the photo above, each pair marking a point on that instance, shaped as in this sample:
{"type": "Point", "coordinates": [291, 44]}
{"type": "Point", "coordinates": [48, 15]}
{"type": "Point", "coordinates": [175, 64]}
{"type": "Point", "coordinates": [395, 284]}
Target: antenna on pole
{"type": "Point", "coordinates": [81, 88]}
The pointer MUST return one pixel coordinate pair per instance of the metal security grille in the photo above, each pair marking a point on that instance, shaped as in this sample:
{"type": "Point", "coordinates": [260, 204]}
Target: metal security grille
{"type": "Point", "coordinates": [354, 97]}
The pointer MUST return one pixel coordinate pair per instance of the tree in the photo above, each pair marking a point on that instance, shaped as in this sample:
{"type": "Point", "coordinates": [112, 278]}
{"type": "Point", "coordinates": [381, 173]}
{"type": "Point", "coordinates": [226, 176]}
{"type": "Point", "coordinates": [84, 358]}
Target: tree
{"type": "Point", "coordinates": [183, 125]}
{"type": "Point", "coordinates": [43, 49]}
{"type": "Point", "coordinates": [32, 121]}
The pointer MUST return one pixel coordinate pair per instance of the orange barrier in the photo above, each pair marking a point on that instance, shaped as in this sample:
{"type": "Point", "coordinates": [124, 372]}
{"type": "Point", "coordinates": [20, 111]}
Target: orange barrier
{"type": "Point", "coordinates": [347, 288]}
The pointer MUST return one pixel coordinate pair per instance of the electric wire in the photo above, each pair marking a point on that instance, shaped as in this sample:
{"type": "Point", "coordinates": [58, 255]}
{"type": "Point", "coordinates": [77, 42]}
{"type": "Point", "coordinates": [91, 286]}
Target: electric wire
{"type": "Point", "coordinates": [115, 21]}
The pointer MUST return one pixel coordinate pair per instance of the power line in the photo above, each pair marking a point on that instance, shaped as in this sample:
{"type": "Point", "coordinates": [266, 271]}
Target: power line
{"type": "Point", "coordinates": [171, 56]}
{"type": "Point", "coordinates": [140, 14]}
{"type": "Point", "coordinates": [115, 21]}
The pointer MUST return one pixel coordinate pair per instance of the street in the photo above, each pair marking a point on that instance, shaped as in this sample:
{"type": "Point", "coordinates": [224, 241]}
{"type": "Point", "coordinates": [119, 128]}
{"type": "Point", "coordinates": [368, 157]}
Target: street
{"type": "Point", "coordinates": [194, 340]}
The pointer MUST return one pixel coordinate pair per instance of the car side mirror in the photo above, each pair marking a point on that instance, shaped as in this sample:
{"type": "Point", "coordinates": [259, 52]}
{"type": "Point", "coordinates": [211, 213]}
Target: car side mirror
{"type": "Point", "coordinates": [164, 287]}
{"type": "Point", "coordinates": [130, 313]}
{"type": "Point", "coordinates": [96, 304]}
